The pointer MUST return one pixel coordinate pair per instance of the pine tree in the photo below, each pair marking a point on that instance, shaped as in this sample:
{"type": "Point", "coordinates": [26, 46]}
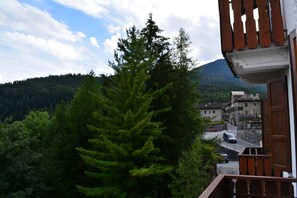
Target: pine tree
{"type": "Point", "coordinates": [171, 67]}
{"type": "Point", "coordinates": [70, 131]}
{"type": "Point", "coordinates": [124, 158]}
{"type": "Point", "coordinates": [186, 123]}
{"type": "Point", "coordinates": [156, 44]}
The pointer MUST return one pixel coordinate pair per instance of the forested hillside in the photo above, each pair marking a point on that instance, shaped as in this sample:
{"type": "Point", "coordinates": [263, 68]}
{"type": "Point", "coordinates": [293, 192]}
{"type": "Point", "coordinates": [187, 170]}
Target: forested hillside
{"type": "Point", "coordinates": [17, 99]}
{"type": "Point", "coordinates": [135, 134]}
{"type": "Point", "coordinates": [216, 81]}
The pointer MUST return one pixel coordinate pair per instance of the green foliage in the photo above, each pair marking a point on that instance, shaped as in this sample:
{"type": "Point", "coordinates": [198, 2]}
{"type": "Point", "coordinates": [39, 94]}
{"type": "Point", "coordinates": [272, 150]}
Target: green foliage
{"type": "Point", "coordinates": [43, 94]}
{"type": "Point", "coordinates": [195, 170]}
{"type": "Point", "coordinates": [17, 99]}
{"type": "Point", "coordinates": [124, 157]}
{"type": "Point", "coordinates": [216, 86]}
{"type": "Point", "coordinates": [22, 156]}
{"type": "Point", "coordinates": [129, 131]}
{"type": "Point", "coordinates": [68, 132]}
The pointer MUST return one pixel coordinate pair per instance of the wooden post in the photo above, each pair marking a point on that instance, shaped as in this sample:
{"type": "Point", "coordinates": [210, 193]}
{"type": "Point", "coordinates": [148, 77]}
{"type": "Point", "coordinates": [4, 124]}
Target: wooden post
{"type": "Point", "coordinates": [277, 23]}
{"type": "Point", "coordinates": [225, 26]}
{"type": "Point", "coordinates": [239, 41]}
{"type": "Point", "coordinates": [250, 25]}
{"type": "Point", "coordinates": [264, 29]}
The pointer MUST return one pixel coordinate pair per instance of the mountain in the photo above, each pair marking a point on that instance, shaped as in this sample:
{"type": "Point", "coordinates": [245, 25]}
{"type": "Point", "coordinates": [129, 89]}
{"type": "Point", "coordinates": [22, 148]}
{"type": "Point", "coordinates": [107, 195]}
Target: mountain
{"type": "Point", "coordinates": [215, 82]}
{"type": "Point", "coordinates": [43, 94]}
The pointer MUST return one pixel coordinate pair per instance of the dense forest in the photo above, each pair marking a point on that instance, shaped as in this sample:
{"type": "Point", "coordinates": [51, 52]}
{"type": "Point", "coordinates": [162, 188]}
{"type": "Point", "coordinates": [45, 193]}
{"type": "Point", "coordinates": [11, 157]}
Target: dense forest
{"type": "Point", "coordinates": [133, 134]}
{"type": "Point", "coordinates": [43, 94]}
{"type": "Point", "coordinates": [17, 99]}
{"type": "Point", "coordinates": [216, 81]}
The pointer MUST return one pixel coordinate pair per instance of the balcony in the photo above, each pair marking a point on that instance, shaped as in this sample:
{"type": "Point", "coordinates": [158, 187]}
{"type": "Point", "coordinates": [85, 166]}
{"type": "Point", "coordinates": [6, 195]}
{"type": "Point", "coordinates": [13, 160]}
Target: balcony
{"type": "Point", "coordinates": [249, 186]}
{"type": "Point", "coordinates": [253, 38]}
{"type": "Point", "coordinates": [253, 161]}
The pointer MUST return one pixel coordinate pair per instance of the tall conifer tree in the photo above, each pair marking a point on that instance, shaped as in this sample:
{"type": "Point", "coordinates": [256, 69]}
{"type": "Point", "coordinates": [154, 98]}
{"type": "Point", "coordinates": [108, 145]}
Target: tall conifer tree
{"type": "Point", "coordinates": [124, 158]}
{"type": "Point", "coordinates": [68, 132]}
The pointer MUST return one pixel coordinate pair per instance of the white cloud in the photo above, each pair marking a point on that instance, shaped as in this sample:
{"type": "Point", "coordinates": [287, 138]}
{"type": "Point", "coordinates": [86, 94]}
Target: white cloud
{"type": "Point", "coordinates": [50, 46]}
{"type": "Point", "coordinates": [93, 8]}
{"type": "Point", "coordinates": [80, 35]}
{"type": "Point", "coordinates": [113, 29]}
{"type": "Point", "coordinates": [43, 44]}
{"type": "Point", "coordinates": [169, 15]}
{"type": "Point", "coordinates": [34, 44]}
{"type": "Point", "coordinates": [111, 43]}
{"type": "Point", "coordinates": [94, 42]}
{"type": "Point", "coordinates": [31, 20]}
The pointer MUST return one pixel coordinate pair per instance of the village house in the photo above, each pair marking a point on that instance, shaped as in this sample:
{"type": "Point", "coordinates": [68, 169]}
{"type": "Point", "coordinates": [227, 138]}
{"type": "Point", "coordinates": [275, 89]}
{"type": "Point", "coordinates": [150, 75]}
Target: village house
{"type": "Point", "coordinates": [243, 107]}
{"type": "Point", "coordinates": [259, 43]}
{"type": "Point", "coordinates": [211, 111]}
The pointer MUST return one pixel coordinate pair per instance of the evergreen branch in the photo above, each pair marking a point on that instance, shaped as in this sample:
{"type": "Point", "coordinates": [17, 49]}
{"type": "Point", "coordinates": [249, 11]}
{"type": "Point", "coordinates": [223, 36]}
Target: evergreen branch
{"type": "Point", "coordinates": [152, 170]}
{"type": "Point", "coordinates": [117, 151]}
{"type": "Point", "coordinates": [145, 150]}
{"type": "Point", "coordinates": [91, 153]}
{"type": "Point", "coordinates": [101, 191]}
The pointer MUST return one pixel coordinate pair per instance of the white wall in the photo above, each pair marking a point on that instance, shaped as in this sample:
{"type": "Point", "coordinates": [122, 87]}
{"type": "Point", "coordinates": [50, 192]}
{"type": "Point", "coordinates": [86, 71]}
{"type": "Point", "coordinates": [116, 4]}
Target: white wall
{"type": "Point", "coordinates": [290, 14]}
{"type": "Point", "coordinates": [290, 18]}
{"type": "Point", "coordinates": [214, 114]}
{"type": "Point", "coordinates": [292, 127]}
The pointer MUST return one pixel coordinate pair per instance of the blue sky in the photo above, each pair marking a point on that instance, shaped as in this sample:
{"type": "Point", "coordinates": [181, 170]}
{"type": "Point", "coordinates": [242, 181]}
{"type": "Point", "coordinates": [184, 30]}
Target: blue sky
{"type": "Point", "coordinates": [52, 37]}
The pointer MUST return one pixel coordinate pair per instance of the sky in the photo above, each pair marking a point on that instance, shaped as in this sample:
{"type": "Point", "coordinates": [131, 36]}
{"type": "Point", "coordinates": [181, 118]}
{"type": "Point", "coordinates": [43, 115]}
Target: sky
{"type": "Point", "coordinates": [39, 38]}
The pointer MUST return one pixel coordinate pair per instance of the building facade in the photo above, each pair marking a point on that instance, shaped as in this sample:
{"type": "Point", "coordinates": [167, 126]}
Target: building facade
{"type": "Point", "coordinates": [211, 111]}
{"type": "Point", "coordinates": [259, 43]}
{"type": "Point", "coordinates": [243, 107]}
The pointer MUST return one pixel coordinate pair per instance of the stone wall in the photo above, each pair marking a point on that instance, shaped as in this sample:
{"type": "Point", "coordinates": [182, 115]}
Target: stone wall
{"type": "Point", "coordinates": [253, 136]}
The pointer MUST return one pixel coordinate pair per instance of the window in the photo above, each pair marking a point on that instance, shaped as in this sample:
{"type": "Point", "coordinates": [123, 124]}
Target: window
{"type": "Point", "coordinates": [213, 111]}
{"type": "Point", "coordinates": [246, 104]}
{"type": "Point", "coordinates": [204, 112]}
{"type": "Point", "coordinates": [246, 113]}
{"type": "Point", "coordinates": [255, 104]}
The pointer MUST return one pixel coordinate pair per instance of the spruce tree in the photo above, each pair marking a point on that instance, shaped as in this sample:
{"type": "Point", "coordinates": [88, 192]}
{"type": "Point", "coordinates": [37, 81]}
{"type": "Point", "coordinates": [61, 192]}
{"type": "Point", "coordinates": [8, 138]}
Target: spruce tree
{"type": "Point", "coordinates": [124, 157]}
{"type": "Point", "coordinates": [68, 132]}
{"type": "Point", "coordinates": [172, 66]}
{"type": "Point", "coordinates": [186, 122]}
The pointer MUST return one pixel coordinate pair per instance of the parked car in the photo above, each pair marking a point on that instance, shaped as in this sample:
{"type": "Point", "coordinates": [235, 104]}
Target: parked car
{"type": "Point", "coordinates": [224, 157]}
{"type": "Point", "coordinates": [229, 137]}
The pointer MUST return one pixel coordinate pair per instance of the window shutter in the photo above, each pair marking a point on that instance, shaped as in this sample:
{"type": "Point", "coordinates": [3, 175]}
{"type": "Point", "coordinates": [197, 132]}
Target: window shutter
{"type": "Point", "coordinates": [279, 124]}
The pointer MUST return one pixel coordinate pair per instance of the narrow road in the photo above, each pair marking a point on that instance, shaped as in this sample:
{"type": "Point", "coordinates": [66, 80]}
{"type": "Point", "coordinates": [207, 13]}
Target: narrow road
{"type": "Point", "coordinates": [239, 146]}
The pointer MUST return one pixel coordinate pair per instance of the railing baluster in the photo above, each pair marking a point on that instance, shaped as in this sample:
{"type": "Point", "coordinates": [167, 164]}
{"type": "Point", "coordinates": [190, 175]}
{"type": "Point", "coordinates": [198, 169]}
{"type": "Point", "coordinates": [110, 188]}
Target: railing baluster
{"type": "Point", "coordinates": [250, 25]}
{"type": "Point", "coordinates": [243, 165]}
{"type": "Point", "coordinates": [271, 27]}
{"type": "Point", "coordinates": [277, 23]}
{"type": "Point", "coordinates": [239, 42]}
{"type": "Point", "coordinates": [226, 29]}
{"type": "Point", "coordinates": [259, 162]}
{"type": "Point", "coordinates": [264, 29]}
{"type": "Point", "coordinates": [248, 187]}
{"type": "Point", "coordinates": [278, 187]}
{"type": "Point", "coordinates": [263, 184]}
{"type": "Point", "coordinates": [251, 165]}
{"type": "Point", "coordinates": [234, 182]}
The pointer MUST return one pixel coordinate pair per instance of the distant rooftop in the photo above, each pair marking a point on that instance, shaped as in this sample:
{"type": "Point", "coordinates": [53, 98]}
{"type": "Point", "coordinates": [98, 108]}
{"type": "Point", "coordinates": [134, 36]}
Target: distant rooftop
{"type": "Point", "coordinates": [237, 93]}
{"type": "Point", "coordinates": [249, 97]}
{"type": "Point", "coordinates": [210, 105]}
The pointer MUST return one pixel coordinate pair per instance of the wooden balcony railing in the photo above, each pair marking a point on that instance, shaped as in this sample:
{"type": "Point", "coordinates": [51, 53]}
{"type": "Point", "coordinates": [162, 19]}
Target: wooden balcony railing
{"type": "Point", "coordinates": [252, 161]}
{"type": "Point", "coordinates": [249, 186]}
{"type": "Point", "coordinates": [267, 30]}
